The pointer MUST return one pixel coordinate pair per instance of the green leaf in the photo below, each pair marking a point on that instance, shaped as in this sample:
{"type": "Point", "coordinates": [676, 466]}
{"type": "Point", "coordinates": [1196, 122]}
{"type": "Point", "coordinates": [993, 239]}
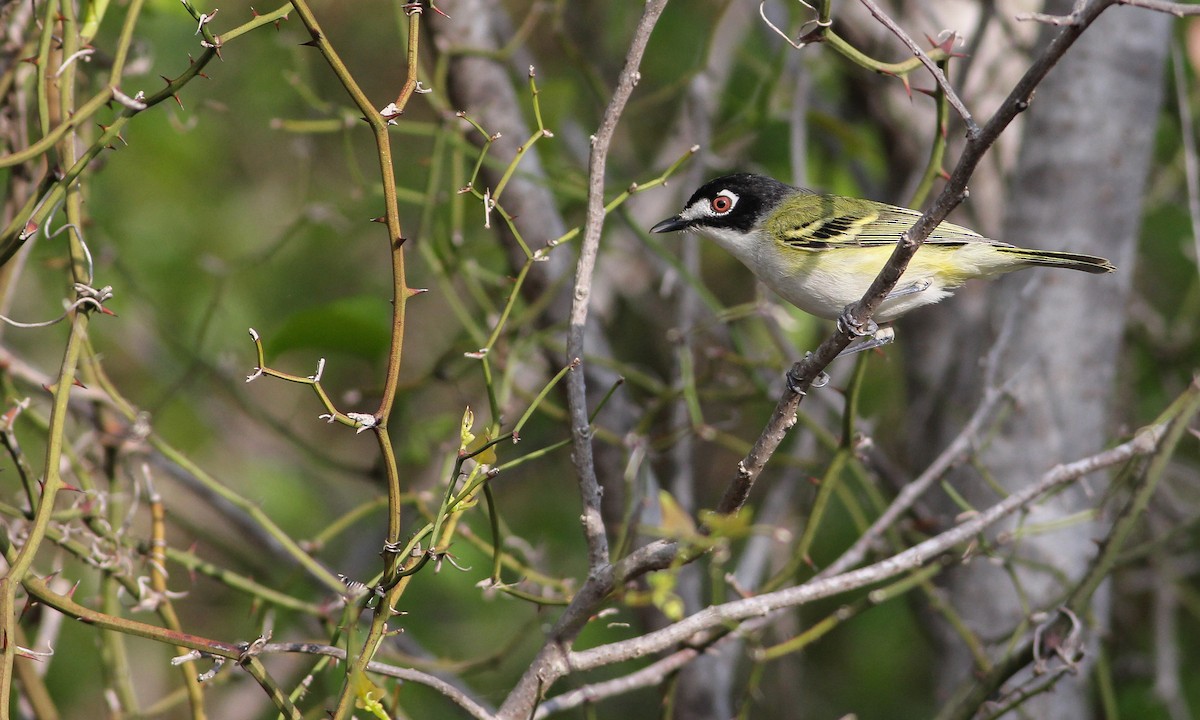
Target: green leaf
{"type": "Point", "coordinates": [676, 522]}
{"type": "Point", "coordinates": [465, 436]}
{"type": "Point", "coordinates": [662, 594]}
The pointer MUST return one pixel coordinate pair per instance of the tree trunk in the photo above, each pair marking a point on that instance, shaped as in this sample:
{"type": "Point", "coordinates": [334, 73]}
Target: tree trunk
{"type": "Point", "coordinates": [1077, 186]}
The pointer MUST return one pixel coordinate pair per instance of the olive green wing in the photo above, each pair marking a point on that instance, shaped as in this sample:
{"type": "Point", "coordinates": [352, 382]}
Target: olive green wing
{"type": "Point", "coordinates": [816, 222]}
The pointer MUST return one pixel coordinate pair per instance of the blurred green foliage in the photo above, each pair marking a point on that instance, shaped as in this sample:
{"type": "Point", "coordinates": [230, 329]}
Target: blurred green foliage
{"type": "Point", "coordinates": [224, 214]}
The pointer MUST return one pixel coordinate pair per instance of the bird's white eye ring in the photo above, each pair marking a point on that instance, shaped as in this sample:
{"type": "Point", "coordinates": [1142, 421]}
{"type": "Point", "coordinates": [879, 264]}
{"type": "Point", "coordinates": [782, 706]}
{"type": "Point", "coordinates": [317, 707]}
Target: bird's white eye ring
{"type": "Point", "coordinates": [723, 202]}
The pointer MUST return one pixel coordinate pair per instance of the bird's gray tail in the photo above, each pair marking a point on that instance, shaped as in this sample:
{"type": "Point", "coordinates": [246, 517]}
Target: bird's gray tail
{"type": "Point", "coordinates": [1052, 258]}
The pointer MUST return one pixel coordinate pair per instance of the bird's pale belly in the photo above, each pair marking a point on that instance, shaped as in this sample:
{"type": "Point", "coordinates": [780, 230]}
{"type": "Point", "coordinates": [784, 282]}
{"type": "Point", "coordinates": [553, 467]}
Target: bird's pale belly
{"type": "Point", "coordinates": [825, 282]}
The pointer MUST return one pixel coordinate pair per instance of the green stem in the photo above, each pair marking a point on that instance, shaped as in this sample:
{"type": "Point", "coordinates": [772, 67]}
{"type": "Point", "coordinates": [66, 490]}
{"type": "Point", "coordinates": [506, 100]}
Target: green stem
{"type": "Point", "coordinates": [937, 151]}
{"type": "Point", "coordinates": [124, 42]}
{"type": "Point", "coordinates": [863, 60]}
{"type": "Point", "coordinates": [81, 115]}
{"type": "Point", "coordinates": [829, 483]}
{"type": "Point", "coordinates": [19, 567]}
{"type": "Point", "coordinates": [400, 296]}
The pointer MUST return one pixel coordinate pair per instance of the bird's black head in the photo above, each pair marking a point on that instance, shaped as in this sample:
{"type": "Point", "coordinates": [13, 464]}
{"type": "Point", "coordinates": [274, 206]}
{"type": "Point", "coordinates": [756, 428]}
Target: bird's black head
{"type": "Point", "coordinates": [736, 202]}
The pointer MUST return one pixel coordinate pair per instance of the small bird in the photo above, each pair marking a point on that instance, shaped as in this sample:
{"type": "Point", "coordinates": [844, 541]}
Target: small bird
{"type": "Point", "coordinates": [821, 252]}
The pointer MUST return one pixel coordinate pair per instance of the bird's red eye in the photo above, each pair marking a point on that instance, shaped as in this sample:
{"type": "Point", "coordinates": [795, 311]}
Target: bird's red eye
{"type": "Point", "coordinates": [722, 204]}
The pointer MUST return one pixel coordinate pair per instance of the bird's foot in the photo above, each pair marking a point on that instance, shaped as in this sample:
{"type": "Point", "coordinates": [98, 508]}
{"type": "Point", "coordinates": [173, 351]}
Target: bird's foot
{"type": "Point", "coordinates": [847, 323]}
{"type": "Point", "coordinates": [793, 382]}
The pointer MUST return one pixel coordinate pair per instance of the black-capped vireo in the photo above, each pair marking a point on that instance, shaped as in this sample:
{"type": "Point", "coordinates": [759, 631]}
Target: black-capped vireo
{"type": "Point", "coordinates": [821, 252]}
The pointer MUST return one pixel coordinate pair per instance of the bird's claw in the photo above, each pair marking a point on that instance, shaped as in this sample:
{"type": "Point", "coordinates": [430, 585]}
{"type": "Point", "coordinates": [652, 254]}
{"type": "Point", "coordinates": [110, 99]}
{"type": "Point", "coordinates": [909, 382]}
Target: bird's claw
{"type": "Point", "coordinates": [849, 324]}
{"type": "Point", "coordinates": [793, 381]}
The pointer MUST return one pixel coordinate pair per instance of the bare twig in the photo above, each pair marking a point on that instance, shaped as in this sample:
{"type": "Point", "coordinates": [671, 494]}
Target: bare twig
{"type": "Point", "coordinates": [1171, 8]}
{"type": "Point", "coordinates": [593, 522]}
{"type": "Point", "coordinates": [480, 79]}
{"type": "Point", "coordinates": [650, 676]}
{"type": "Point", "coordinates": [1144, 443]}
{"type": "Point", "coordinates": [548, 665]}
{"type": "Point", "coordinates": [954, 453]}
{"type": "Point", "coordinates": [472, 706]}
{"type": "Point", "coordinates": [1169, 429]}
{"type": "Point", "coordinates": [955, 101]}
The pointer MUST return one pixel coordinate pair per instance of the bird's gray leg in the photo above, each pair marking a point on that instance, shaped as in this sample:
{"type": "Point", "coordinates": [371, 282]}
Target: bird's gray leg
{"type": "Point", "coordinates": [878, 338]}
{"type": "Point", "coordinates": [911, 289]}
{"type": "Point", "coordinates": [881, 337]}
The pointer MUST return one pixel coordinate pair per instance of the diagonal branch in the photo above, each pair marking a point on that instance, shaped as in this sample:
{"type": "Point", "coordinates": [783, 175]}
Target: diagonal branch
{"type": "Point", "coordinates": [804, 372]}
{"type": "Point", "coordinates": [1144, 443]}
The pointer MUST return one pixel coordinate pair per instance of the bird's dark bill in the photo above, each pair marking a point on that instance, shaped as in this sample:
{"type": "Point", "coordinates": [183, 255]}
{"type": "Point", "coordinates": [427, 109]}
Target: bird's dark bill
{"type": "Point", "coordinates": [671, 224]}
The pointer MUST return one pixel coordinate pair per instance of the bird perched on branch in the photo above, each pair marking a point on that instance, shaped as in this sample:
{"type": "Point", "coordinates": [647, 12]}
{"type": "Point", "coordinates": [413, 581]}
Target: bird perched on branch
{"type": "Point", "coordinates": [821, 252]}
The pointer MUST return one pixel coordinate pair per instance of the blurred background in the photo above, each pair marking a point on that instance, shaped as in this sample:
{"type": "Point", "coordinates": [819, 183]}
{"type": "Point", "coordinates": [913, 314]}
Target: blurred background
{"type": "Point", "coordinates": [249, 203]}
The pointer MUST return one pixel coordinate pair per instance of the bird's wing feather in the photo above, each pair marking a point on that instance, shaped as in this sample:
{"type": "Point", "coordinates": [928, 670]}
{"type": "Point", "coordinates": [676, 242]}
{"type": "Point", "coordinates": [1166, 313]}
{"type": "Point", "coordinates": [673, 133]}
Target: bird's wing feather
{"type": "Point", "coordinates": [825, 221]}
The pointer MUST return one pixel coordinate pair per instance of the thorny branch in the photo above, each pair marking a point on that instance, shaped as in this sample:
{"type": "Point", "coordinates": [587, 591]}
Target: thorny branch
{"type": "Point", "coordinates": [930, 65]}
